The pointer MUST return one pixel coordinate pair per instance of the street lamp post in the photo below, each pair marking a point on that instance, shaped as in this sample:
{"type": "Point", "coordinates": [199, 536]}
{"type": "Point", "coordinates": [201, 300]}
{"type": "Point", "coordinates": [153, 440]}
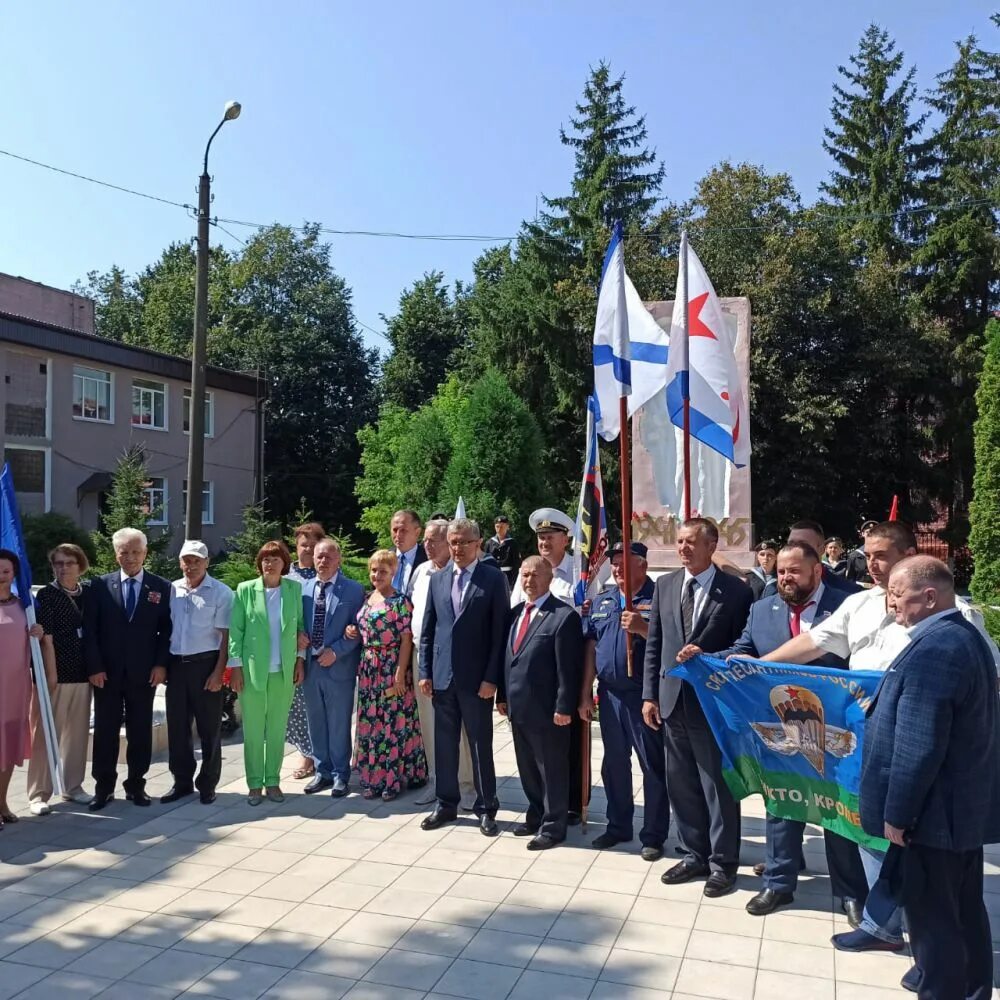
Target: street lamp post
{"type": "Point", "coordinates": [196, 410]}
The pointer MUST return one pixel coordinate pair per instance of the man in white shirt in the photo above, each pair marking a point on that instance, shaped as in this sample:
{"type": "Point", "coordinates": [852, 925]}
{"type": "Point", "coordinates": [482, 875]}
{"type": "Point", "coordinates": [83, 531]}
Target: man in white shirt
{"type": "Point", "coordinates": [552, 530]}
{"type": "Point", "coordinates": [405, 531]}
{"type": "Point", "coordinates": [438, 558]}
{"type": "Point", "coordinates": [200, 607]}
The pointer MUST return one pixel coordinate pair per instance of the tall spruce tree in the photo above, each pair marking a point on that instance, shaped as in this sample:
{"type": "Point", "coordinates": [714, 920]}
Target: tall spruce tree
{"type": "Point", "coordinates": [955, 262]}
{"type": "Point", "coordinates": [874, 142]}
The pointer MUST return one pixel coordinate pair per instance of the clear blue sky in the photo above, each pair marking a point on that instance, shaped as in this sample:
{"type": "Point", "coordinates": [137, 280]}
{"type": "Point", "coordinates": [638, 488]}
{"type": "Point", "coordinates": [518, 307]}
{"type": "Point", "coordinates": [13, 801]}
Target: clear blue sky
{"type": "Point", "coordinates": [435, 117]}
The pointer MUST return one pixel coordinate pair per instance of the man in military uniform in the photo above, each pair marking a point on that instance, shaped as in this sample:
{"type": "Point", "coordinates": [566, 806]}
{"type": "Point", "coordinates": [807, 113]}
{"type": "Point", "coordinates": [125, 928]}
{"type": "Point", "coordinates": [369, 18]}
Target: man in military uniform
{"type": "Point", "coordinates": [503, 547]}
{"type": "Point", "coordinates": [552, 532]}
{"type": "Point", "coordinates": [609, 630]}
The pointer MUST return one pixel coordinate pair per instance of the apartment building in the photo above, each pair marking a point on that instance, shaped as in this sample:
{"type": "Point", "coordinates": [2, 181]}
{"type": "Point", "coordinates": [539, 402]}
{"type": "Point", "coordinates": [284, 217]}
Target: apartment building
{"type": "Point", "coordinates": [73, 402]}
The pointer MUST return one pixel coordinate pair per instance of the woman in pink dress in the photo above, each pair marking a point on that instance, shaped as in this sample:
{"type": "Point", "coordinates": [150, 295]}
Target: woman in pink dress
{"type": "Point", "coordinates": [15, 681]}
{"type": "Point", "coordinates": [390, 750]}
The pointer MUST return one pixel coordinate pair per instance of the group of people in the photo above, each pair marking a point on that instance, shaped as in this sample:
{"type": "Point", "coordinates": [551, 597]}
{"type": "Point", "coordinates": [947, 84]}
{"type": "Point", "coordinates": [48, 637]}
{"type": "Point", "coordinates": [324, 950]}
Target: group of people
{"type": "Point", "coordinates": [448, 631]}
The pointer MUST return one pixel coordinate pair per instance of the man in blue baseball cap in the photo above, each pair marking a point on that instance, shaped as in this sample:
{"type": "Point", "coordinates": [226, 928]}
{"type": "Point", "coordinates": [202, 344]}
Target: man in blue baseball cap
{"type": "Point", "coordinates": [610, 629]}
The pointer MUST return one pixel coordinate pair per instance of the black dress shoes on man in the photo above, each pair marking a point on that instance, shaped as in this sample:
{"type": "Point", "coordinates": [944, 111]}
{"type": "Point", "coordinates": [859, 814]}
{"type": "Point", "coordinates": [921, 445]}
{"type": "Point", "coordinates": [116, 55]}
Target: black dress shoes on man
{"type": "Point", "coordinates": [651, 853]}
{"type": "Point", "coordinates": [606, 841]}
{"type": "Point", "coordinates": [175, 795]}
{"type": "Point", "coordinates": [911, 981]}
{"type": "Point", "coordinates": [683, 871]}
{"type": "Point", "coordinates": [523, 830]}
{"type": "Point", "coordinates": [138, 798]}
{"type": "Point", "coordinates": [854, 911]}
{"type": "Point", "coordinates": [767, 901]}
{"type": "Point", "coordinates": [488, 826]}
{"type": "Point", "coordinates": [318, 784]}
{"type": "Point", "coordinates": [207, 796]}
{"type": "Point", "coordinates": [438, 818]}
{"type": "Point", "coordinates": [543, 842]}
{"type": "Point", "coordinates": [100, 800]}
{"type": "Point", "coordinates": [719, 884]}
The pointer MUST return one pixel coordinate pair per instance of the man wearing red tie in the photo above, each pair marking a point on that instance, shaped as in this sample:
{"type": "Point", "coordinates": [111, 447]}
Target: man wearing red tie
{"type": "Point", "coordinates": [538, 691]}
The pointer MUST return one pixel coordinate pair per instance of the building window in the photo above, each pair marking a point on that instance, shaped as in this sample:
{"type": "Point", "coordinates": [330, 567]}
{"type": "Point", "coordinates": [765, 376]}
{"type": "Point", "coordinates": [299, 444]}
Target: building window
{"type": "Point", "coordinates": [149, 404]}
{"type": "Point", "coordinates": [209, 413]}
{"type": "Point", "coordinates": [29, 468]}
{"type": "Point", "coordinates": [92, 395]}
{"type": "Point", "coordinates": [207, 502]}
{"type": "Point", "coordinates": [155, 505]}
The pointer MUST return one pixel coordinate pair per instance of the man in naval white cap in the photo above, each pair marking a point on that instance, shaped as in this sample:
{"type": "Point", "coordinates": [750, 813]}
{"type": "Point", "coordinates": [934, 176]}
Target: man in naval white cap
{"type": "Point", "coordinates": [552, 530]}
{"type": "Point", "coordinates": [200, 607]}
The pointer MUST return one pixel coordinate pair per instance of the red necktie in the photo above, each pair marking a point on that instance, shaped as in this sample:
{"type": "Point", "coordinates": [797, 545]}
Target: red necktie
{"type": "Point", "coordinates": [522, 629]}
{"type": "Point", "coordinates": [796, 621]}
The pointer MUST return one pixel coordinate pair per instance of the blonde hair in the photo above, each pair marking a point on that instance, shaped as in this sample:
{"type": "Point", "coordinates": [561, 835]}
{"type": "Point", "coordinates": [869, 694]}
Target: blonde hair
{"type": "Point", "coordinates": [383, 557]}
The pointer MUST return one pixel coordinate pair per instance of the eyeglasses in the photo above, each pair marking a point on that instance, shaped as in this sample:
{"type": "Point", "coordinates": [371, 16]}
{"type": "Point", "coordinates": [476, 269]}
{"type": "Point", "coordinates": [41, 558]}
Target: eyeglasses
{"type": "Point", "coordinates": [460, 543]}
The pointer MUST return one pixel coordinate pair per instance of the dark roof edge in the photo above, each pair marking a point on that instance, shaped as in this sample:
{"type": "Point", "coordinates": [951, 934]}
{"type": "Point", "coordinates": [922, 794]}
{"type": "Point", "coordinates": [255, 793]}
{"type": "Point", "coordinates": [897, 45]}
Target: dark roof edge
{"type": "Point", "coordinates": [88, 346]}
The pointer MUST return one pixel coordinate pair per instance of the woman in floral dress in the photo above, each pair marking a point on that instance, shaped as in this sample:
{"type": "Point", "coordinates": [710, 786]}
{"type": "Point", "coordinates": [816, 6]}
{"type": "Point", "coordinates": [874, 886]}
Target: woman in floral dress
{"type": "Point", "coordinates": [390, 749]}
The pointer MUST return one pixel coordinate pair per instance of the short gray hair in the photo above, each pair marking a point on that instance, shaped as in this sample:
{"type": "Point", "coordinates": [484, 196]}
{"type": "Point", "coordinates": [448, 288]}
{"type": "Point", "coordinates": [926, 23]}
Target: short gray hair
{"type": "Point", "coordinates": [925, 571]}
{"type": "Point", "coordinates": [464, 524]}
{"type": "Point", "coordinates": [438, 527]}
{"type": "Point", "coordinates": [125, 535]}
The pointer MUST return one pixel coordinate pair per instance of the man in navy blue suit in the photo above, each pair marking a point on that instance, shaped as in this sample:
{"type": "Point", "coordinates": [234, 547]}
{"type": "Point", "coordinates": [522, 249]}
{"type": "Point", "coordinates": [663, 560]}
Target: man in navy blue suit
{"type": "Point", "coordinates": [331, 603]}
{"type": "Point", "coordinates": [930, 779]}
{"type": "Point", "coordinates": [803, 600]}
{"type": "Point", "coordinates": [461, 656]}
{"type": "Point", "coordinates": [126, 643]}
{"type": "Point", "coordinates": [538, 691]}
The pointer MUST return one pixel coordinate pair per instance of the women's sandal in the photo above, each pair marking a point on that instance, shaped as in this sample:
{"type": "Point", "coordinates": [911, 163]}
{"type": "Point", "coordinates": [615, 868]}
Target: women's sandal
{"type": "Point", "coordinates": [8, 817]}
{"type": "Point", "coordinates": [388, 795]}
{"type": "Point", "coordinates": [302, 773]}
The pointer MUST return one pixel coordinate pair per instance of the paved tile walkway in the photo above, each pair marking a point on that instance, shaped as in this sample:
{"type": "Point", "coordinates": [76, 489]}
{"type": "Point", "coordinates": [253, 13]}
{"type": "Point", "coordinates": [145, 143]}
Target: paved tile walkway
{"type": "Point", "coordinates": [319, 898]}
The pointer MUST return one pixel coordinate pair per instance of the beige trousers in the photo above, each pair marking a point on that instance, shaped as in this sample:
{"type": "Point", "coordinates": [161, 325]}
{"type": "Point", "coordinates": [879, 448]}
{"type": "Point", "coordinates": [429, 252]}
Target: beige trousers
{"type": "Point", "coordinates": [71, 711]}
{"type": "Point", "coordinates": [425, 709]}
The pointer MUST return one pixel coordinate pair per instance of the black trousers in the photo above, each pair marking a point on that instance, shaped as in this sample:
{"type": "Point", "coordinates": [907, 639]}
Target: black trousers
{"type": "Point", "coordinates": [187, 702]}
{"type": "Point", "coordinates": [949, 926]}
{"type": "Point", "coordinates": [542, 761]}
{"type": "Point", "coordinates": [131, 701]}
{"type": "Point", "coordinates": [454, 709]}
{"type": "Point", "coordinates": [847, 874]}
{"type": "Point", "coordinates": [706, 815]}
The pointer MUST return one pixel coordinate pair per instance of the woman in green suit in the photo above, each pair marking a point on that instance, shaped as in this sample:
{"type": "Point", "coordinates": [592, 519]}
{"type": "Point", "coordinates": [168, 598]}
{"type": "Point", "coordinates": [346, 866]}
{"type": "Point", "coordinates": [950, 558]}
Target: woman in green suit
{"type": "Point", "coordinates": [264, 641]}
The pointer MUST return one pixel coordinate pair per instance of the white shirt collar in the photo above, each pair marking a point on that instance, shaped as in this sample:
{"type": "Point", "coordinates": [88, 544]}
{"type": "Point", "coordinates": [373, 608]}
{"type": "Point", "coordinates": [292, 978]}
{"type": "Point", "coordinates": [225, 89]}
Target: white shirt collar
{"type": "Point", "coordinates": [182, 584]}
{"type": "Point", "coordinates": [331, 581]}
{"type": "Point", "coordinates": [409, 555]}
{"type": "Point", "coordinates": [914, 630]}
{"type": "Point", "coordinates": [540, 600]}
{"type": "Point", "coordinates": [704, 578]}
{"type": "Point", "coordinates": [123, 576]}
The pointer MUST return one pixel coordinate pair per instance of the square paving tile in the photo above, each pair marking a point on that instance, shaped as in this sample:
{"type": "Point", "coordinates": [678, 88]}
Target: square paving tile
{"type": "Point", "coordinates": [309, 986]}
{"type": "Point", "coordinates": [478, 980]}
{"type": "Point", "coordinates": [408, 969]}
{"type": "Point", "coordinates": [55, 951]}
{"type": "Point", "coordinates": [235, 980]}
{"type": "Point", "coordinates": [174, 969]}
{"type": "Point", "coordinates": [113, 959]}
{"type": "Point", "coordinates": [502, 948]}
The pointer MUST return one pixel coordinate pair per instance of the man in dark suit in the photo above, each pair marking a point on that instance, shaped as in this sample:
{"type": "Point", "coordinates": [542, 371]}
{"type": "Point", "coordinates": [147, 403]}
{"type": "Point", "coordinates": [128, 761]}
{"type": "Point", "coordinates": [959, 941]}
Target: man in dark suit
{"type": "Point", "coordinates": [538, 691]}
{"type": "Point", "coordinates": [811, 532]}
{"type": "Point", "coordinates": [126, 636]}
{"type": "Point", "coordinates": [695, 606]}
{"type": "Point", "coordinates": [930, 779]}
{"type": "Point", "coordinates": [405, 530]}
{"type": "Point", "coordinates": [461, 657]}
{"type": "Point", "coordinates": [803, 600]}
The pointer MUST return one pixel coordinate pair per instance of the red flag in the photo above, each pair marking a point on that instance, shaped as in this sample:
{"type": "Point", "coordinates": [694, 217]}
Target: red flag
{"type": "Point", "coordinates": [894, 509]}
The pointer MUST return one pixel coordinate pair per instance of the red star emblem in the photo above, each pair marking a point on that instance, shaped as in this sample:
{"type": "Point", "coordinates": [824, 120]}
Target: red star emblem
{"type": "Point", "coordinates": [696, 327]}
{"type": "Point", "coordinates": [793, 692]}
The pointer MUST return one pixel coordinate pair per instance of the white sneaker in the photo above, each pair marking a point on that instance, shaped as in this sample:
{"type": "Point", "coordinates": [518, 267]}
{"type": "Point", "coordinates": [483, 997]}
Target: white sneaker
{"type": "Point", "coordinates": [426, 795]}
{"type": "Point", "coordinates": [39, 808]}
{"type": "Point", "coordinates": [80, 798]}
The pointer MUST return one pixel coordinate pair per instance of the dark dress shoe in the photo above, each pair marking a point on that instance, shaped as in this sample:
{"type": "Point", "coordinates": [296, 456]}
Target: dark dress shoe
{"type": "Point", "coordinates": [767, 901]}
{"type": "Point", "coordinates": [605, 841]}
{"type": "Point", "coordinates": [650, 853]}
{"type": "Point", "coordinates": [488, 826]}
{"type": "Point", "coordinates": [318, 784]}
{"type": "Point", "coordinates": [523, 830]}
{"type": "Point", "coordinates": [573, 819]}
{"type": "Point", "coordinates": [139, 798]}
{"type": "Point", "coordinates": [758, 869]}
{"type": "Point", "coordinates": [911, 981]}
{"type": "Point", "coordinates": [683, 871]}
{"type": "Point", "coordinates": [100, 800]}
{"type": "Point", "coordinates": [438, 818]}
{"type": "Point", "coordinates": [176, 794]}
{"type": "Point", "coordinates": [863, 941]}
{"type": "Point", "coordinates": [543, 842]}
{"type": "Point", "coordinates": [854, 911]}
{"type": "Point", "coordinates": [207, 797]}
{"type": "Point", "coordinates": [340, 788]}
{"type": "Point", "coordinates": [719, 884]}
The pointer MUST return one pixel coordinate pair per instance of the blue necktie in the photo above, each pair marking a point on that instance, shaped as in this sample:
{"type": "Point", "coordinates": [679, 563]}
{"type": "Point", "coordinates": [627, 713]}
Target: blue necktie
{"type": "Point", "coordinates": [400, 577]}
{"type": "Point", "coordinates": [130, 597]}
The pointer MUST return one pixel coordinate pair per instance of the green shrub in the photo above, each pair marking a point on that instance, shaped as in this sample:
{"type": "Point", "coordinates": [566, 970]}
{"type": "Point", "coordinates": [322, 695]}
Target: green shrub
{"type": "Point", "coordinates": [43, 532]}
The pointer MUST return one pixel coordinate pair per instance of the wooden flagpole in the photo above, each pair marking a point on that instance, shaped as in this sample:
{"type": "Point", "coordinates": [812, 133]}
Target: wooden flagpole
{"type": "Point", "coordinates": [686, 376]}
{"type": "Point", "coordinates": [625, 479]}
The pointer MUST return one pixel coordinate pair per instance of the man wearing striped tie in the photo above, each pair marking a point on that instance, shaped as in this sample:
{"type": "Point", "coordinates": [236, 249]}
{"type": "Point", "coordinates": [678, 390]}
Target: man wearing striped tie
{"type": "Point", "coordinates": [405, 530]}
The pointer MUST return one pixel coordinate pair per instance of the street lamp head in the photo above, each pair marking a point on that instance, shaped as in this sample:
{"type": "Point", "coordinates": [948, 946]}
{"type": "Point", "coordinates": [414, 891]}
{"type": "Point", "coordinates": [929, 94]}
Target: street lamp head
{"type": "Point", "coordinates": [233, 109]}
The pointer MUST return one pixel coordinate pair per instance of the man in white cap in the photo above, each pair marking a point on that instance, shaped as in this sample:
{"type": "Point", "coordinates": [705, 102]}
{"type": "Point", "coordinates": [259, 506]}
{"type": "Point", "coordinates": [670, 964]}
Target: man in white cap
{"type": "Point", "coordinates": [200, 607]}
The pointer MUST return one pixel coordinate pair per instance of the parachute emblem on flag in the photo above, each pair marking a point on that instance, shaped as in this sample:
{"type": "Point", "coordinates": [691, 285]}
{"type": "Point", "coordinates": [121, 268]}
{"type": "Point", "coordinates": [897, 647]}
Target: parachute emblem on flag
{"type": "Point", "coordinates": [803, 729]}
